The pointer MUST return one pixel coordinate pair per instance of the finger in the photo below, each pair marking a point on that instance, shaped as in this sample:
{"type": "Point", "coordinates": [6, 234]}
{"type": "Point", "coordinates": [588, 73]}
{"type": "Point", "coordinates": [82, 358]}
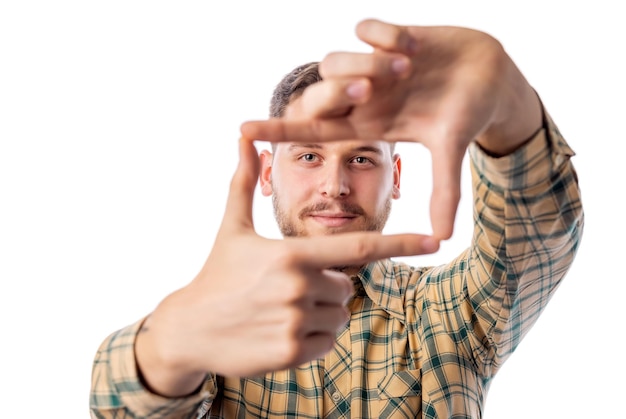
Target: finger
{"type": "Point", "coordinates": [446, 192]}
{"type": "Point", "coordinates": [239, 202]}
{"type": "Point", "coordinates": [318, 130]}
{"type": "Point", "coordinates": [325, 319]}
{"type": "Point", "coordinates": [358, 248]}
{"type": "Point", "coordinates": [386, 36]}
{"type": "Point", "coordinates": [314, 346]}
{"type": "Point", "coordinates": [379, 65]}
{"type": "Point", "coordinates": [331, 98]}
{"type": "Point", "coordinates": [291, 130]}
{"type": "Point", "coordinates": [330, 287]}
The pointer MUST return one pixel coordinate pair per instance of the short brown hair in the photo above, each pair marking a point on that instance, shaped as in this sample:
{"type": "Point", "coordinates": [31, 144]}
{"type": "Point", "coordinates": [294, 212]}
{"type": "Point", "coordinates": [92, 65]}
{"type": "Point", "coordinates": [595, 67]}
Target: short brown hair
{"type": "Point", "coordinates": [292, 86]}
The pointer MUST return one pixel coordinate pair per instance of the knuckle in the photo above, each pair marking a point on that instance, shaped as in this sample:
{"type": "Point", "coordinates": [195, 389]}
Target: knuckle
{"type": "Point", "coordinates": [363, 249]}
{"type": "Point", "coordinates": [317, 129]}
{"type": "Point", "coordinates": [286, 254]}
{"type": "Point", "coordinates": [294, 323]}
{"type": "Point", "coordinates": [294, 289]}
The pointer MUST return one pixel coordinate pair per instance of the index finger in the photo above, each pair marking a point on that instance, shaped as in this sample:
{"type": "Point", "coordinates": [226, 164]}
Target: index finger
{"type": "Point", "coordinates": [242, 185]}
{"type": "Point", "coordinates": [318, 130]}
{"type": "Point", "coordinates": [311, 130]}
{"type": "Point", "coordinates": [446, 192]}
{"type": "Point", "coordinates": [359, 248]}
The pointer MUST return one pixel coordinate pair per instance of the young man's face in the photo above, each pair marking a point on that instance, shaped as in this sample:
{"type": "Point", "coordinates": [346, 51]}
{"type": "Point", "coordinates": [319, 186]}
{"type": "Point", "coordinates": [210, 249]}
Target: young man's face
{"type": "Point", "coordinates": [333, 187]}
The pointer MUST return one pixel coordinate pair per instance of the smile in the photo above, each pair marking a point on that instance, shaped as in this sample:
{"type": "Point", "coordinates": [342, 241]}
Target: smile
{"type": "Point", "coordinates": [333, 220]}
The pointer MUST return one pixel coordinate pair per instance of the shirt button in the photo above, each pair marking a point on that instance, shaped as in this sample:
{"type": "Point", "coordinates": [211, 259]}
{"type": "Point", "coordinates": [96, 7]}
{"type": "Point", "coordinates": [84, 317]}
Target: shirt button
{"type": "Point", "coordinates": [336, 396]}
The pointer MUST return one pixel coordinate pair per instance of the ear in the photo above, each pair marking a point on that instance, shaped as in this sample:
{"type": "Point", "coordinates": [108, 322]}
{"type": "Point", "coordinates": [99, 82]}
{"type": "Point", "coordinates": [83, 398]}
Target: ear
{"type": "Point", "coordinates": [397, 168]}
{"type": "Point", "coordinates": [265, 177]}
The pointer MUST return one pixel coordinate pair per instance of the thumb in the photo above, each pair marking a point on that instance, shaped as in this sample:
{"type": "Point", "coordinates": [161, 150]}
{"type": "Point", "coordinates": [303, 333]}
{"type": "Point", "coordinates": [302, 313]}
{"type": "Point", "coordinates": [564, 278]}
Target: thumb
{"type": "Point", "coordinates": [242, 186]}
{"type": "Point", "coordinates": [446, 192]}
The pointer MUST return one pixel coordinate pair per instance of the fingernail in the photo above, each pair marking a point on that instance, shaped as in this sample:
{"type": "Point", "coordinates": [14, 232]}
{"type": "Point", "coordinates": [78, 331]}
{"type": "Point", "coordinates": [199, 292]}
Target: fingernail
{"type": "Point", "coordinates": [400, 65]}
{"type": "Point", "coordinates": [357, 89]}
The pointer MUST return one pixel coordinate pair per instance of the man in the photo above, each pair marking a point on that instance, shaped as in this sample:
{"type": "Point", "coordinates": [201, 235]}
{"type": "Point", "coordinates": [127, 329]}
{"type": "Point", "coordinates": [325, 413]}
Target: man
{"type": "Point", "coordinates": [309, 326]}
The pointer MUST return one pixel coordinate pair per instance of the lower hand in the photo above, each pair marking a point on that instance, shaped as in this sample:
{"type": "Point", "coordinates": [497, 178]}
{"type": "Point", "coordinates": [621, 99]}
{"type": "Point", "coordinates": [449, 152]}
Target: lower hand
{"type": "Point", "coordinates": [257, 305]}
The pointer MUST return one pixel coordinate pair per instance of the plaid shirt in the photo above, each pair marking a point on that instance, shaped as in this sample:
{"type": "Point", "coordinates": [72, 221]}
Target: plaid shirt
{"type": "Point", "coordinates": [421, 342]}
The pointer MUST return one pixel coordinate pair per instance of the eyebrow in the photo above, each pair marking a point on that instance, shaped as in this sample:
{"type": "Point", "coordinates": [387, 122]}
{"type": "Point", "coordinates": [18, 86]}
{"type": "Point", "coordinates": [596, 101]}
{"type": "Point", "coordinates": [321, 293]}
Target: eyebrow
{"type": "Point", "coordinates": [317, 146]}
{"type": "Point", "coordinates": [296, 146]}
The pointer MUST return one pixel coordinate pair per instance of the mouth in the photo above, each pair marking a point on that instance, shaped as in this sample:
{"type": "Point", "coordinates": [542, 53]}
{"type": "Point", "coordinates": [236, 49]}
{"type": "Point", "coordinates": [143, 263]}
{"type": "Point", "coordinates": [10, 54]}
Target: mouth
{"type": "Point", "coordinates": [333, 220]}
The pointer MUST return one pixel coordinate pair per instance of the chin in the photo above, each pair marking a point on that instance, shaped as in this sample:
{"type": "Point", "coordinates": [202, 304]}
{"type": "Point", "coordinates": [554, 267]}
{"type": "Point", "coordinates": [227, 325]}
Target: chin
{"type": "Point", "coordinates": [335, 230]}
{"type": "Point", "coordinates": [316, 230]}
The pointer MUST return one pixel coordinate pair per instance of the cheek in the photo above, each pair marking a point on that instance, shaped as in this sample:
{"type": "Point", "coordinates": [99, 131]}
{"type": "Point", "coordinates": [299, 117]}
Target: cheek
{"type": "Point", "coordinates": [292, 189]}
{"type": "Point", "coordinates": [292, 185]}
{"type": "Point", "coordinates": [375, 189]}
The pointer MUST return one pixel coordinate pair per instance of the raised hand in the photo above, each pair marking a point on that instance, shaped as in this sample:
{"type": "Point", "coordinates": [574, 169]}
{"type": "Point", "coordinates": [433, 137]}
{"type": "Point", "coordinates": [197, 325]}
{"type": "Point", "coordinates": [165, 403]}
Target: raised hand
{"type": "Point", "coordinates": [440, 86]}
{"type": "Point", "coordinates": [257, 305]}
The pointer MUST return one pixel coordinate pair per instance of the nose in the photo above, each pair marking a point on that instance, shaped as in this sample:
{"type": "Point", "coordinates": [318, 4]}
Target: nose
{"type": "Point", "coordinates": [335, 181]}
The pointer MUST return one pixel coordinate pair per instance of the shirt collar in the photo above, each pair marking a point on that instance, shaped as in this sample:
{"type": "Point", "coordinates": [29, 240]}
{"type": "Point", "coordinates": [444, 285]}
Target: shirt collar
{"type": "Point", "coordinates": [381, 284]}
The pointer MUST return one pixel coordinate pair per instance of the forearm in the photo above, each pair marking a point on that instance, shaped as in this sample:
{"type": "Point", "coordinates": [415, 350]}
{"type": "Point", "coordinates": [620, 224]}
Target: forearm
{"type": "Point", "coordinates": [116, 388]}
{"type": "Point", "coordinates": [161, 372]}
{"type": "Point", "coordinates": [529, 223]}
{"type": "Point", "coordinates": [517, 115]}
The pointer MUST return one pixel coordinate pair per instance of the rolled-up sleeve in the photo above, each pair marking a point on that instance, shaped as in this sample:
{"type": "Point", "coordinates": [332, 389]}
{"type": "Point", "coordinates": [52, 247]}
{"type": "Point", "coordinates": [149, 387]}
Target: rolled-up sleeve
{"type": "Point", "coordinates": [117, 391]}
{"type": "Point", "coordinates": [528, 225]}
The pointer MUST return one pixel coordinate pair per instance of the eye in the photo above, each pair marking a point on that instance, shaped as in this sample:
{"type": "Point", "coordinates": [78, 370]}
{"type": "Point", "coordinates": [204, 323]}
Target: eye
{"type": "Point", "coordinates": [308, 157]}
{"type": "Point", "coordinates": [361, 160]}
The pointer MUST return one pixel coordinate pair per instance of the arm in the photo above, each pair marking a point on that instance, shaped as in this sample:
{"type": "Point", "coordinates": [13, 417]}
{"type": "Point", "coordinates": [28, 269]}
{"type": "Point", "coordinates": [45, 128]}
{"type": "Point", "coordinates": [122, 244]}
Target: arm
{"type": "Point", "coordinates": [528, 226]}
{"type": "Point", "coordinates": [274, 295]}
{"type": "Point", "coordinates": [451, 88]}
{"type": "Point", "coordinates": [117, 391]}
{"type": "Point", "coordinates": [444, 87]}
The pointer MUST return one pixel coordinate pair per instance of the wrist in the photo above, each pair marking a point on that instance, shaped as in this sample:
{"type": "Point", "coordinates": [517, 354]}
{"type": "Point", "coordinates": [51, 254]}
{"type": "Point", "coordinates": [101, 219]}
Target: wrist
{"type": "Point", "coordinates": [159, 372]}
{"type": "Point", "coordinates": [517, 118]}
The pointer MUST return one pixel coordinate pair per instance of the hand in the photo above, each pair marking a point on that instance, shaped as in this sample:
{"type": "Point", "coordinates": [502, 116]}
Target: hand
{"type": "Point", "coordinates": [440, 86]}
{"type": "Point", "coordinates": [257, 305]}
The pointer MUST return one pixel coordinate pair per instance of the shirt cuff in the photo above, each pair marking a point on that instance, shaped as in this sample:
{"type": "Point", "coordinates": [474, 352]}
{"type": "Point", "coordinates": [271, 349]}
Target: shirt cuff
{"type": "Point", "coordinates": [131, 391]}
{"type": "Point", "coordinates": [533, 163]}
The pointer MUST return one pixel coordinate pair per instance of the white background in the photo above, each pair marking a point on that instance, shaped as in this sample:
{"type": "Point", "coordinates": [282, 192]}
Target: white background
{"type": "Point", "coordinates": [118, 129]}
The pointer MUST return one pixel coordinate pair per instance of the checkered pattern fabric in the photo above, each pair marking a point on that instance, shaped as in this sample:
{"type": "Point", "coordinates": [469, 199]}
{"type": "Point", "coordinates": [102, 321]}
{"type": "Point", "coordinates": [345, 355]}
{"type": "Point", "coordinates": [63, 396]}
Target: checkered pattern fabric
{"type": "Point", "coordinates": [421, 342]}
